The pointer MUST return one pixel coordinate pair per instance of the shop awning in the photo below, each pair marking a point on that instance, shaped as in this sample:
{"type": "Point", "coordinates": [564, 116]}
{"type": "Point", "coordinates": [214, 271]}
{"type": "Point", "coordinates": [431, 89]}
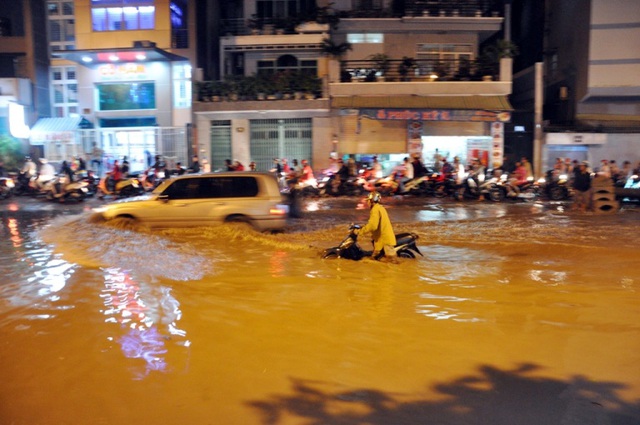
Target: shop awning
{"type": "Point", "coordinates": [54, 130]}
{"type": "Point", "coordinates": [486, 103]}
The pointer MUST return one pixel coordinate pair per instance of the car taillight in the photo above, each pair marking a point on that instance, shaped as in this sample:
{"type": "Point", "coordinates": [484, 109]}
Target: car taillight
{"type": "Point", "coordinates": [279, 210]}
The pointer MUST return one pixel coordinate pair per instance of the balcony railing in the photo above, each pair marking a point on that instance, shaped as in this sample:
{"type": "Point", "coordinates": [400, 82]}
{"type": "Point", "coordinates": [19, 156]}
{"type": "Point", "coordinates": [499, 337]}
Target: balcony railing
{"type": "Point", "coordinates": [417, 70]}
{"type": "Point", "coordinates": [295, 85]}
{"type": "Point", "coordinates": [432, 8]}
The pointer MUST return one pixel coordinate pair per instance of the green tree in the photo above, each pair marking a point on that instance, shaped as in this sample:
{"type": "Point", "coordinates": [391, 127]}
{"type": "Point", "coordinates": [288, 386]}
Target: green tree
{"type": "Point", "coordinates": [10, 153]}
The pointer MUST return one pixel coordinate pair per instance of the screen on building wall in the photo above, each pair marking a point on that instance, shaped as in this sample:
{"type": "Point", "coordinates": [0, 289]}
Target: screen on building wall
{"type": "Point", "coordinates": [126, 96]}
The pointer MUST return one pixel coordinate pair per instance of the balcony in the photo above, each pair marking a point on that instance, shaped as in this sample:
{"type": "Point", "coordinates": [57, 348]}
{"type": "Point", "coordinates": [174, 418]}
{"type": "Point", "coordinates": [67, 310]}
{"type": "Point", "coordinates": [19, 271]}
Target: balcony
{"type": "Point", "coordinates": [328, 16]}
{"type": "Point", "coordinates": [296, 90]}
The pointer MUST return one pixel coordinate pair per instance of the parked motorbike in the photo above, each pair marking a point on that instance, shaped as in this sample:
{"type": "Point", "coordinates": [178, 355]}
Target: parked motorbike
{"type": "Point", "coordinates": [503, 189]}
{"type": "Point", "coordinates": [330, 184]}
{"type": "Point", "coordinates": [350, 249]}
{"type": "Point", "coordinates": [26, 185]}
{"type": "Point", "coordinates": [474, 187]}
{"type": "Point", "coordinates": [62, 189]}
{"type": "Point", "coordinates": [88, 177]}
{"type": "Point", "coordinates": [124, 188]}
{"type": "Point", "coordinates": [6, 187]}
{"type": "Point", "coordinates": [555, 186]}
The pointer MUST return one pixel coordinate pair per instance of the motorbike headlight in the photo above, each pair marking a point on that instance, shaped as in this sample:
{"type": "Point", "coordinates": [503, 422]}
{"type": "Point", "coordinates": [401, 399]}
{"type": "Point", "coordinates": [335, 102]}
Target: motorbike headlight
{"type": "Point", "coordinates": [10, 184]}
{"type": "Point", "coordinates": [542, 180]}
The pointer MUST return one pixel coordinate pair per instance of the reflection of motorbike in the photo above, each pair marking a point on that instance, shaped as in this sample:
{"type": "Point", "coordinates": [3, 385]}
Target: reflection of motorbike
{"type": "Point", "coordinates": [350, 249]}
{"type": "Point", "coordinates": [6, 187]}
{"type": "Point", "coordinates": [124, 188]}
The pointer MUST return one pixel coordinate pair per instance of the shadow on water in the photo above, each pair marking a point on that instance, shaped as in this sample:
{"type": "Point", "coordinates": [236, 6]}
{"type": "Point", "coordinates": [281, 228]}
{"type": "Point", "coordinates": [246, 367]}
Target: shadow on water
{"type": "Point", "coordinates": [490, 396]}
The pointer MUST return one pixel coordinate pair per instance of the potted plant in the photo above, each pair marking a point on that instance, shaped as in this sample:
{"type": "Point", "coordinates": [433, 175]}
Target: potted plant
{"type": "Point", "coordinates": [405, 66]}
{"type": "Point", "coordinates": [489, 60]}
{"type": "Point", "coordinates": [216, 90]}
{"type": "Point", "coordinates": [232, 86]}
{"type": "Point", "coordinates": [441, 69]}
{"type": "Point", "coordinates": [255, 24]}
{"type": "Point", "coordinates": [311, 85]}
{"type": "Point", "coordinates": [382, 63]}
{"type": "Point", "coordinates": [464, 69]}
{"type": "Point", "coordinates": [333, 49]}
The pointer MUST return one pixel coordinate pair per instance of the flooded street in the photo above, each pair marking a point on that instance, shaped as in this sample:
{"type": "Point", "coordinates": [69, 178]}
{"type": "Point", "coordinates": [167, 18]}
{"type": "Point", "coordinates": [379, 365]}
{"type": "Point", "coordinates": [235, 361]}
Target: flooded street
{"type": "Point", "coordinates": [518, 314]}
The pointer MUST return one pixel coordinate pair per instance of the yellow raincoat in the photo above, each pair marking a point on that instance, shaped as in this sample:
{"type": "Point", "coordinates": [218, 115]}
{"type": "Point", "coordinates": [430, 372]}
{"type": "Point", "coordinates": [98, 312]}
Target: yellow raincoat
{"type": "Point", "coordinates": [380, 228]}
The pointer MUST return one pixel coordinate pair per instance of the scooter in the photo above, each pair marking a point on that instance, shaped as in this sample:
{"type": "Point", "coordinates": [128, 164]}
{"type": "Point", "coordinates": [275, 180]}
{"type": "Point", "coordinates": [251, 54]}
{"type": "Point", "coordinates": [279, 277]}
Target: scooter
{"type": "Point", "coordinates": [62, 189]}
{"type": "Point", "coordinates": [350, 249]}
{"type": "Point", "coordinates": [124, 188]}
{"type": "Point", "coordinates": [505, 190]}
{"type": "Point", "coordinates": [555, 186]}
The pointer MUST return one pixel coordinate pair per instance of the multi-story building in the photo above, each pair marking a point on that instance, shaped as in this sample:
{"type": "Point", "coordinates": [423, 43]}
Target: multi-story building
{"type": "Point", "coordinates": [24, 65]}
{"type": "Point", "coordinates": [120, 79]}
{"type": "Point", "coordinates": [396, 78]}
{"type": "Point", "coordinates": [589, 61]}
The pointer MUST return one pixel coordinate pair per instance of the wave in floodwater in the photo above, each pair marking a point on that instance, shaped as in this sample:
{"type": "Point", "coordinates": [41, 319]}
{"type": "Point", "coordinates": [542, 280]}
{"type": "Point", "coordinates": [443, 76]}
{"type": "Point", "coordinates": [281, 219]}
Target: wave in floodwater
{"type": "Point", "coordinates": [149, 255]}
{"type": "Point", "coordinates": [192, 253]}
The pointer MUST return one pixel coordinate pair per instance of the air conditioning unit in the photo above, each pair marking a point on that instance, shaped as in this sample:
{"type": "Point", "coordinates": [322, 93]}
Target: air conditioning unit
{"type": "Point", "coordinates": [144, 43]}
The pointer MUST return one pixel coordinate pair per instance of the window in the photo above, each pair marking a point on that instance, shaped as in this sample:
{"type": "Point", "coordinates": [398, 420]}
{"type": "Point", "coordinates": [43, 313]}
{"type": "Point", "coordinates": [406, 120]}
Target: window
{"type": "Point", "coordinates": [277, 8]}
{"type": "Point", "coordinates": [213, 187]}
{"type": "Point", "coordinates": [443, 58]}
{"type": "Point", "coordinates": [61, 25]}
{"type": "Point", "coordinates": [64, 90]}
{"type": "Point", "coordinates": [182, 86]}
{"type": "Point", "coordinates": [365, 38]}
{"type": "Point", "coordinates": [287, 62]}
{"type": "Point", "coordinates": [122, 15]}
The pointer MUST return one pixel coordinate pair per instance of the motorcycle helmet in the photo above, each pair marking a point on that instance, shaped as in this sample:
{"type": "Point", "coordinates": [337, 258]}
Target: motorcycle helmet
{"type": "Point", "coordinates": [374, 197]}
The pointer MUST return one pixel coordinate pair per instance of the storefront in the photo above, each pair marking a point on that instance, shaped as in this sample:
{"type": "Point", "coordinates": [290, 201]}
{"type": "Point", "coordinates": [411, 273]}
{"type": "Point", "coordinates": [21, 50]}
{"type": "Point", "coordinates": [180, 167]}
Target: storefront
{"type": "Point", "coordinates": [138, 101]}
{"type": "Point", "coordinates": [447, 126]}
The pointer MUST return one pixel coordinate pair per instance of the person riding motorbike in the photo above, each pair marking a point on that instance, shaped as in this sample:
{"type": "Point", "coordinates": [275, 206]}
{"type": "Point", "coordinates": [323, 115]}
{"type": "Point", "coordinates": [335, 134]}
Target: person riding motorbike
{"type": "Point", "coordinates": [29, 169]}
{"type": "Point", "coordinates": [379, 225]}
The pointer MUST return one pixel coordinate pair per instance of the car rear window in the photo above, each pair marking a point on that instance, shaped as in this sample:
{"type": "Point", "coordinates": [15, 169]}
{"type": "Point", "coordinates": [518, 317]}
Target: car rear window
{"type": "Point", "coordinates": [213, 187]}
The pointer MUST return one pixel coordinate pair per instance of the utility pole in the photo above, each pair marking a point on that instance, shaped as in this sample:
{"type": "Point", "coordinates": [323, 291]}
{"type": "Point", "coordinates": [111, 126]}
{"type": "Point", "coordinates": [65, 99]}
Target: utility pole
{"type": "Point", "coordinates": [537, 120]}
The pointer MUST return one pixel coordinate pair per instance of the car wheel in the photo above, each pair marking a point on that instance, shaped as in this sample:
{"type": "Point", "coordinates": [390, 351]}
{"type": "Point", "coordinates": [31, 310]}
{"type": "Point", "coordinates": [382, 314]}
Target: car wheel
{"type": "Point", "coordinates": [124, 223]}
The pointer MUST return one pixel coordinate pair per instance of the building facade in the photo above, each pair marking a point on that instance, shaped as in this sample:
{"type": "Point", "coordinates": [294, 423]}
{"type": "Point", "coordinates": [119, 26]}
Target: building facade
{"type": "Point", "coordinates": [120, 80]}
{"type": "Point", "coordinates": [24, 64]}
{"type": "Point", "coordinates": [396, 78]}
{"type": "Point", "coordinates": [589, 81]}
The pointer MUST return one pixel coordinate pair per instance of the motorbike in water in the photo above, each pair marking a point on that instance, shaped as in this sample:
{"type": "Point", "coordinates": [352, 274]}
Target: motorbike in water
{"type": "Point", "coordinates": [350, 249]}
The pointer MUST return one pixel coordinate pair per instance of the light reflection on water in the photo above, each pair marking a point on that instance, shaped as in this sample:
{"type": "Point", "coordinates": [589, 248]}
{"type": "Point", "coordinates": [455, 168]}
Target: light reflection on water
{"type": "Point", "coordinates": [231, 324]}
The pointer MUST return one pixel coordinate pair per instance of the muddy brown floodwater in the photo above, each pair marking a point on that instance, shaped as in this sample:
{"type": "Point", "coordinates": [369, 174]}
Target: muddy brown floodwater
{"type": "Point", "coordinates": [518, 314]}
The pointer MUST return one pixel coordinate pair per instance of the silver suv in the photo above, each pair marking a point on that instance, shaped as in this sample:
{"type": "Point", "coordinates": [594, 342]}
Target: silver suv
{"type": "Point", "coordinates": [206, 199]}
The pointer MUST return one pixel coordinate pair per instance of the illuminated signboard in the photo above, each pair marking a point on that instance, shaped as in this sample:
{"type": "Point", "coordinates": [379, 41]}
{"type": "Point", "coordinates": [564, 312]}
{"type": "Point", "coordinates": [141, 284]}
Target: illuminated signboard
{"type": "Point", "coordinates": [17, 126]}
{"type": "Point", "coordinates": [125, 71]}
